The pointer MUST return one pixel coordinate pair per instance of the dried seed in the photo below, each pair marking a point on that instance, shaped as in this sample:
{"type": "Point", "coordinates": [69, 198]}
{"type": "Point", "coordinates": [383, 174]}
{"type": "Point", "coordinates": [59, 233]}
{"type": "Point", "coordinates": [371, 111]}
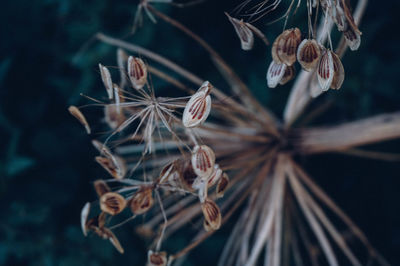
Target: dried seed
{"type": "Point", "coordinates": [156, 258]}
{"type": "Point", "coordinates": [286, 46]}
{"type": "Point", "coordinates": [106, 233]}
{"type": "Point", "coordinates": [101, 220]}
{"type": "Point", "coordinates": [84, 215]}
{"type": "Point", "coordinates": [325, 71]}
{"type": "Point", "coordinates": [187, 174]}
{"type": "Point", "coordinates": [274, 49]}
{"type": "Point", "coordinates": [198, 107]}
{"type": "Point", "coordinates": [215, 176]}
{"type": "Point", "coordinates": [142, 201]}
{"type": "Point", "coordinates": [211, 214]}
{"type": "Point", "coordinates": [121, 61]}
{"type": "Point", "coordinates": [112, 203]}
{"type": "Point", "coordinates": [290, 73]}
{"type": "Point", "coordinates": [137, 72]}
{"type": "Point", "coordinates": [353, 39]}
{"type": "Point", "coordinates": [206, 226]}
{"type": "Point", "coordinates": [308, 54]}
{"type": "Point", "coordinates": [81, 118]}
{"type": "Point", "coordinates": [106, 78]}
{"type": "Point", "coordinates": [275, 73]}
{"type": "Point", "coordinates": [242, 30]}
{"type": "Point", "coordinates": [203, 160]}
{"type": "Point", "coordinates": [222, 185]}
{"type": "Point", "coordinates": [114, 165]}
{"type": "Point", "coordinates": [101, 187]}
{"type": "Point", "coordinates": [338, 76]}
{"type": "Point", "coordinates": [112, 117]}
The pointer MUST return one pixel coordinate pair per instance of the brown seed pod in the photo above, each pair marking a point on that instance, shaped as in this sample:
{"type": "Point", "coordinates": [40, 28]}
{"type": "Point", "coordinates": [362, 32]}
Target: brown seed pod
{"type": "Point", "coordinates": [325, 71]}
{"type": "Point", "coordinates": [106, 233]}
{"type": "Point", "coordinates": [212, 214]}
{"type": "Point", "coordinates": [142, 201]}
{"type": "Point", "coordinates": [275, 73]}
{"type": "Point", "coordinates": [274, 50]}
{"type": "Point", "coordinates": [290, 73]}
{"type": "Point", "coordinates": [112, 117]}
{"type": "Point", "coordinates": [308, 54]}
{"type": "Point", "coordinates": [114, 165]}
{"type": "Point", "coordinates": [244, 33]}
{"type": "Point", "coordinates": [112, 203]}
{"type": "Point", "coordinates": [187, 176]}
{"type": "Point", "coordinates": [73, 110]}
{"type": "Point", "coordinates": [222, 185]}
{"type": "Point", "coordinates": [286, 46]}
{"type": "Point", "coordinates": [206, 226]}
{"type": "Point", "coordinates": [101, 187]}
{"type": "Point", "coordinates": [137, 72]}
{"type": "Point", "coordinates": [215, 176]}
{"type": "Point", "coordinates": [203, 160]}
{"type": "Point", "coordinates": [156, 258]}
{"type": "Point", "coordinates": [338, 76]}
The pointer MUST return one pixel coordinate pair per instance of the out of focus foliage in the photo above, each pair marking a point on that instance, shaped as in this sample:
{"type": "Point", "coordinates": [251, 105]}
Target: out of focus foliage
{"type": "Point", "coordinates": [46, 160]}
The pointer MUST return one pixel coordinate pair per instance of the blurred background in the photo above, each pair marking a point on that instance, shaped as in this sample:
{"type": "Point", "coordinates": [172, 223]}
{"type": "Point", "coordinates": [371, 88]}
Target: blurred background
{"type": "Point", "coordinates": [47, 161]}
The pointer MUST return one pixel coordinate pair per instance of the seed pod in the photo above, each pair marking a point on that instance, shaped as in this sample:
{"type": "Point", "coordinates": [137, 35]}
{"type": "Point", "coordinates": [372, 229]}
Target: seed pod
{"type": "Point", "coordinates": [353, 38]}
{"type": "Point", "coordinates": [156, 258]}
{"type": "Point", "coordinates": [290, 73]}
{"type": "Point", "coordinates": [112, 117]}
{"type": "Point", "coordinates": [106, 78]}
{"type": "Point", "coordinates": [203, 160]}
{"type": "Point", "coordinates": [222, 185]}
{"type": "Point", "coordinates": [215, 176]}
{"type": "Point", "coordinates": [338, 76]}
{"type": "Point", "coordinates": [112, 203]}
{"type": "Point", "coordinates": [114, 165]}
{"type": "Point", "coordinates": [286, 46]}
{"type": "Point", "coordinates": [106, 233]}
{"type": "Point", "coordinates": [245, 34]}
{"type": "Point", "coordinates": [198, 107]}
{"type": "Point", "coordinates": [167, 171]}
{"type": "Point", "coordinates": [211, 214]}
{"type": "Point", "coordinates": [187, 174]}
{"type": "Point", "coordinates": [81, 118]}
{"type": "Point", "coordinates": [275, 73]}
{"type": "Point", "coordinates": [101, 187]}
{"type": "Point", "coordinates": [308, 54]}
{"type": "Point", "coordinates": [274, 50]}
{"type": "Point", "coordinates": [142, 201]}
{"type": "Point", "coordinates": [101, 220]}
{"type": "Point", "coordinates": [206, 226]}
{"type": "Point", "coordinates": [84, 216]}
{"type": "Point", "coordinates": [325, 71]}
{"type": "Point", "coordinates": [137, 72]}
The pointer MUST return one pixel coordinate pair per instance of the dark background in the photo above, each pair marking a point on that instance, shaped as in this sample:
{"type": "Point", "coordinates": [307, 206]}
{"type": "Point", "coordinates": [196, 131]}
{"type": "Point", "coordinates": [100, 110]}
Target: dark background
{"type": "Point", "coordinates": [46, 159]}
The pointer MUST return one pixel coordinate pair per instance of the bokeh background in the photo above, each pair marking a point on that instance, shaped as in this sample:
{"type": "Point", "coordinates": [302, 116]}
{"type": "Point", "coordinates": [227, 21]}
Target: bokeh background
{"type": "Point", "coordinates": [46, 159]}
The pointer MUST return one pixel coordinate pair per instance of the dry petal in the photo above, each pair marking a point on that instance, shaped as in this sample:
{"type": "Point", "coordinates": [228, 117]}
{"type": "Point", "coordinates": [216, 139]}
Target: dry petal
{"type": "Point", "coordinates": [211, 214]}
{"type": "Point", "coordinates": [222, 185]}
{"type": "Point", "coordinates": [325, 71]}
{"type": "Point", "coordinates": [84, 215]}
{"type": "Point", "coordinates": [203, 160]}
{"type": "Point", "coordinates": [245, 34]}
{"type": "Point", "coordinates": [286, 46]}
{"type": "Point", "coordinates": [338, 77]}
{"type": "Point", "coordinates": [112, 203]}
{"type": "Point", "coordinates": [78, 115]}
{"type": "Point", "coordinates": [137, 72]}
{"type": "Point", "coordinates": [156, 258]}
{"type": "Point", "coordinates": [101, 187]}
{"type": "Point", "coordinates": [275, 73]}
{"type": "Point", "coordinates": [199, 106]}
{"type": "Point", "coordinates": [142, 201]}
{"type": "Point", "coordinates": [308, 54]}
{"type": "Point", "coordinates": [290, 73]}
{"type": "Point", "coordinates": [106, 78]}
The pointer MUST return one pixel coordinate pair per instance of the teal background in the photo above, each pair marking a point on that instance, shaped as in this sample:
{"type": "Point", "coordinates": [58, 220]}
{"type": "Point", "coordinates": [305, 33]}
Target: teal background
{"type": "Point", "coordinates": [46, 159]}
